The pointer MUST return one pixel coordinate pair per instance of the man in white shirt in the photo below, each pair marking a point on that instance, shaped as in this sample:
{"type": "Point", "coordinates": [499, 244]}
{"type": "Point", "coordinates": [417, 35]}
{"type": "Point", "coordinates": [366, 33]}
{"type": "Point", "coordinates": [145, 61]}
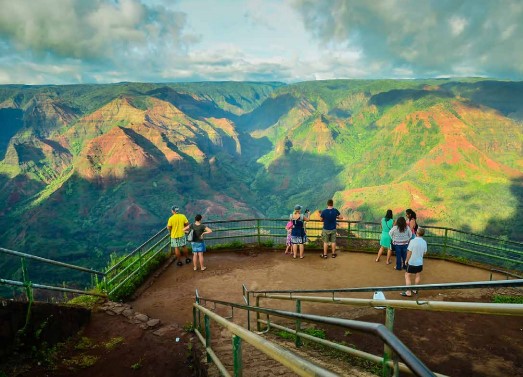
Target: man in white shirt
{"type": "Point", "coordinates": [417, 248]}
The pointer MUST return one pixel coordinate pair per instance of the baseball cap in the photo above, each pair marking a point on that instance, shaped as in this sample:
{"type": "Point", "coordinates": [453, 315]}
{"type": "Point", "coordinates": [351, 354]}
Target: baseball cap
{"type": "Point", "coordinates": [175, 208]}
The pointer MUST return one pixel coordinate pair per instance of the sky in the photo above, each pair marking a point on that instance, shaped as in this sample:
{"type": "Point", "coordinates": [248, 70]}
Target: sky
{"type": "Point", "coordinates": [106, 41]}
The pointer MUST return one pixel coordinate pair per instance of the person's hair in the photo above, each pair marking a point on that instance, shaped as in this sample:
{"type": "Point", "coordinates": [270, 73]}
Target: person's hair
{"type": "Point", "coordinates": [420, 232]}
{"type": "Point", "coordinates": [296, 211]}
{"type": "Point", "coordinates": [198, 217]}
{"type": "Point", "coordinates": [401, 223]}
{"type": "Point", "coordinates": [388, 215]}
{"type": "Point", "coordinates": [410, 213]}
{"type": "Point", "coordinates": [330, 202]}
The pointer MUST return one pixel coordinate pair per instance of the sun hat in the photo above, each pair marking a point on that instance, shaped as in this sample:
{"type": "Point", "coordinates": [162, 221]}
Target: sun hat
{"type": "Point", "coordinates": [297, 207]}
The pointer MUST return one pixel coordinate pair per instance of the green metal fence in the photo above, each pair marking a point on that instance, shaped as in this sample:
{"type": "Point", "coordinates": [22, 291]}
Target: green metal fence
{"type": "Point", "coordinates": [126, 273]}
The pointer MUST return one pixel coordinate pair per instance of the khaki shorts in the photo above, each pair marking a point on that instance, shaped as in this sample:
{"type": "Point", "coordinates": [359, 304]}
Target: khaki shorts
{"type": "Point", "coordinates": [178, 242]}
{"type": "Point", "coordinates": [328, 236]}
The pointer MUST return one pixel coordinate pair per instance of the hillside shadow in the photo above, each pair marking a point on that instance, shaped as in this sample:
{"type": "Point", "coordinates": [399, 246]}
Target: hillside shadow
{"type": "Point", "coordinates": [11, 120]}
{"type": "Point", "coordinates": [296, 178]}
{"type": "Point", "coordinates": [196, 109]}
{"type": "Point", "coordinates": [397, 96]}
{"type": "Point", "coordinates": [503, 96]}
{"type": "Point", "coordinates": [511, 227]}
{"type": "Point", "coordinates": [267, 114]}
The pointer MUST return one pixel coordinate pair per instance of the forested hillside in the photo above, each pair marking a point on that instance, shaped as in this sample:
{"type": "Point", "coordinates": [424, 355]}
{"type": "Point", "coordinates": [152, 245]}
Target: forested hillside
{"type": "Point", "coordinates": [86, 170]}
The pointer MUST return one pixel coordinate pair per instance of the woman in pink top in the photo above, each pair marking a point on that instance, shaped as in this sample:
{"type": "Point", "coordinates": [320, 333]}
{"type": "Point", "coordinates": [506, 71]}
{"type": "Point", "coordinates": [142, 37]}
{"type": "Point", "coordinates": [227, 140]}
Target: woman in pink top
{"type": "Point", "coordinates": [412, 221]}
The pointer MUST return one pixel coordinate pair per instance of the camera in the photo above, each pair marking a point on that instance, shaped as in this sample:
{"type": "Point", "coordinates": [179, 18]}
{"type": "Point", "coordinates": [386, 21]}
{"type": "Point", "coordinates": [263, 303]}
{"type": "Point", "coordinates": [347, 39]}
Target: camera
{"type": "Point", "coordinates": [307, 210]}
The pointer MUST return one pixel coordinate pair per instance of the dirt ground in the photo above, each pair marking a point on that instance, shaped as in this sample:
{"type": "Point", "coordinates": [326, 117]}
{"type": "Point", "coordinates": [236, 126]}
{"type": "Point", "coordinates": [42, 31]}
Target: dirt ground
{"type": "Point", "coordinates": [451, 344]}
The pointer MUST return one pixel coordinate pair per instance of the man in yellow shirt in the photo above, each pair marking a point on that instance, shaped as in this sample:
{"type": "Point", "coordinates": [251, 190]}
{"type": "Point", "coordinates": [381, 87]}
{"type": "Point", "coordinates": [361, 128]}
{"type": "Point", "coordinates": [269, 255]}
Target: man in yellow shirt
{"type": "Point", "coordinates": [175, 224]}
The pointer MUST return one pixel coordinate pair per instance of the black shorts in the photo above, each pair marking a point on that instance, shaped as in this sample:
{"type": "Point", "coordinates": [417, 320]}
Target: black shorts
{"type": "Point", "coordinates": [414, 269]}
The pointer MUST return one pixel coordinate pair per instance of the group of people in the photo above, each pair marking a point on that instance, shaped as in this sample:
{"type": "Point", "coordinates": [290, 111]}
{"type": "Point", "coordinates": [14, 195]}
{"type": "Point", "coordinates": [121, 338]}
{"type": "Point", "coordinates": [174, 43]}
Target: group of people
{"type": "Point", "coordinates": [402, 236]}
{"type": "Point", "coordinates": [405, 237]}
{"type": "Point", "coordinates": [297, 237]}
{"type": "Point", "coordinates": [178, 225]}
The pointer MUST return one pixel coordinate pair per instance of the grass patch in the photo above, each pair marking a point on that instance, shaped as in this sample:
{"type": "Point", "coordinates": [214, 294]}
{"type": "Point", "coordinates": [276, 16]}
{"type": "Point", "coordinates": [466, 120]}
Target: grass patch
{"type": "Point", "coordinates": [84, 344]}
{"type": "Point", "coordinates": [85, 301]}
{"type": "Point", "coordinates": [81, 361]}
{"type": "Point", "coordinates": [113, 343]}
{"type": "Point", "coordinates": [507, 299]}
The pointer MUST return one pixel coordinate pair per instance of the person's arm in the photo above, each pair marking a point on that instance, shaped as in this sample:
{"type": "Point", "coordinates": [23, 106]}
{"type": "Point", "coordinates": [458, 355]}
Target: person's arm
{"type": "Point", "coordinates": [409, 254]}
{"type": "Point", "coordinates": [391, 232]}
{"type": "Point", "coordinates": [187, 227]}
{"type": "Point", "coordinates": [207, 230]}
{"type": "Point", "coordinates": [169, 227]}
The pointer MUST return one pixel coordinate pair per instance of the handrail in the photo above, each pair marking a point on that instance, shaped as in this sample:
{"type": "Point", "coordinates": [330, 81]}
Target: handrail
{"type": "Point", "coordinates": [50, 261]}
{"type": "Point", "coordinates": [416, 365]}
{"type": "Point", "coordinates": [50, 288]}
{"type": "Point", "coordinates": [469, 285]}
{"type": "Point", "coordinates": [295, 363]}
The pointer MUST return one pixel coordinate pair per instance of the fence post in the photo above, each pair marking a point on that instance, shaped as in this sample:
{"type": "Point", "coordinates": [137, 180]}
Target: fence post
{"type": "Point", "coordinates": [27, 283]}
{"type": "Point", "coordinates": [258, 232]}
{"type": "Point", "coordinates": [348, 235]}
{"type": "Point", "coordinates": [387, 351]}
{"type": "Point", "coordinates": [445, 243]}
{"type": "Point", "coordinates": [237, 356]}
{"type": "Point", "coordinates": [207, 323]}
{"type": "Point", "coordinates": [298, 324]}
{"type": "Point", "coordinates": [258, 324]}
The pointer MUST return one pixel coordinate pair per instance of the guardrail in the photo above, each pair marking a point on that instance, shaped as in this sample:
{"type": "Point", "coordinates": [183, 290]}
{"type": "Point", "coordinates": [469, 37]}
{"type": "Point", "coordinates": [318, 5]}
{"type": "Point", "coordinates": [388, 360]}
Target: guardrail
{"type": "Point", "coordinates": [126, 273]}
{"type": "Point", "coordinates": [298, 365]}
{"type": "Point", "coordinates": [388, 305]}
{"type": "Point", "coordinates": [28, 286]}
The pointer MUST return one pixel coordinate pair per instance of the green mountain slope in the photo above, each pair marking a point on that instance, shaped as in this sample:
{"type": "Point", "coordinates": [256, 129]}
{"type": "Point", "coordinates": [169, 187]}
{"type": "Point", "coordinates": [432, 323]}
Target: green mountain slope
{"type": "Point", "coordinates": [75, 160]}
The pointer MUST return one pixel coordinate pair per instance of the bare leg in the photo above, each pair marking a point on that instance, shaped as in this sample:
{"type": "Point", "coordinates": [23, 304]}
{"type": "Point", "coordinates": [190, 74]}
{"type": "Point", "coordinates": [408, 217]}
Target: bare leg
{"type": "Point", "coordinates": [418, 278]}
{"type": "Point", "coordinates": [325, 248]}
{"type": "Point", "coordinates": [302, 249]}
{"type": "Point", "coordinates": [333, 247]}
{"type": "Point", "coordinates": [294, 250]}
{"type": "Point", "coordinates": [380, 251]}
{"type": "Point", "coordinates": [408, 282]}
{"type": "Point", "coordinates": [389, 255]}
{"type": "Point", "coordinates": [177, 252]}
{"type": "Point", "coordinates": [195, 260]}
{"type": "Point", "coordinates": [201, 261]}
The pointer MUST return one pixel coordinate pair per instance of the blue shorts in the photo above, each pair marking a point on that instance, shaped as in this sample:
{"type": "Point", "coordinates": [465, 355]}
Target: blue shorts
{"type": "Point", "coordinates": [198, 247]}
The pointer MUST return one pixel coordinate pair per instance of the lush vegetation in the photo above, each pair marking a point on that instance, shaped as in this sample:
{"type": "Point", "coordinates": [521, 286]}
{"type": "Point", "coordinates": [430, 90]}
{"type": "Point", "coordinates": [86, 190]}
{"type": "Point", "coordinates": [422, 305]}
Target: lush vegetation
{"type": "Point", "coordinates": [91, 170]}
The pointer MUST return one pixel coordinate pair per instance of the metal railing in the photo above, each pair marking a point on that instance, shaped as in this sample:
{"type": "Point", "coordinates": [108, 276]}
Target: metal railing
{"type": "Point", "coordinates": [387, 304]}
{"type": "Point", "coordinates": [125, 274]}
{"type": "Point", "coordinates": [28, 286]}
{"type": "Point", "coordinates": [289, 359]}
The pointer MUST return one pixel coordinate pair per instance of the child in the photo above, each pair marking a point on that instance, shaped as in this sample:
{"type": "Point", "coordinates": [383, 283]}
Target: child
{"type": "Point", "coordinates": [288, 242]}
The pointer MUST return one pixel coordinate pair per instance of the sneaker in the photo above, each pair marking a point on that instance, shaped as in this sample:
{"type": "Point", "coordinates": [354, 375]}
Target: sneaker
{"type": "Point", "coordinates": [195, 268]}
{"type": "Point", "coordinates": [204, 268]}
{"type": "Point", "coordinates": [179, 263]}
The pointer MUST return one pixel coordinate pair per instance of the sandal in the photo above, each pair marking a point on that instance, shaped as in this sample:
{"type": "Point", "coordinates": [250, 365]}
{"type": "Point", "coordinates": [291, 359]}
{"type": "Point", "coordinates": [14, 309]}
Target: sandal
{"type": "Point", "coordinates": [404, 294]}
{"type": "Point", "coordinates": [414, 291]}
{"type": "Point", "coordinates": [188, 260]}
{"type": "Point", "coordinates": [294, 256]}
{"type": "Point", "coordinates": [204, 268]}
{"type": "Point", "coordinates": [334, 255]}
{"type": "Point", "coordinates": [302, 257]}
{"type": "Point", "coordinates": [377, 260]}
{"type": "Point", "coordinates": [179, 263]}
{"type": "Point", "coordinates": [195, 268]}
{"type": "Point", "coordinates": [324, 256]}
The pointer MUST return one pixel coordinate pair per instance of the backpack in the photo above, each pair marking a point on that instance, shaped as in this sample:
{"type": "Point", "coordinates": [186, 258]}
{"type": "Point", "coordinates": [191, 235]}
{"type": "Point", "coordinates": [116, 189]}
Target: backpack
{"type": "Point", "coordinates": [190, 235]}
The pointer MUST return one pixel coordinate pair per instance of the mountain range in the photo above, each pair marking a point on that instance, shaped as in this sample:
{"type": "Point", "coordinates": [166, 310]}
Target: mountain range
{"type": "Point", "coordinates": [87, 170]}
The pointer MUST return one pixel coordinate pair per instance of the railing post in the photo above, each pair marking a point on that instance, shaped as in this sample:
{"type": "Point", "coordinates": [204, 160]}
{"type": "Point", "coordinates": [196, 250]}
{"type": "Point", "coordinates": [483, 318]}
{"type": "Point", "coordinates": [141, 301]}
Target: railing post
{"type": "Point", "coordinates": [237, 356]}
{"type": "Point", "coordinates": [258, 324]}
{"type": "Point", "coordinates": [27, 283]}
{"type": "Point", "coordinates": [298, 324]}
{"type": "Point", "coordinates": [387, 352]}
{"type": "Point", "coordinates": [348, 235]}
{"type": "Point", "coordinates": [248, 312]}
{"type": "Point", "coordinates": [140, 258]}
{"type": "Point", "coordinates": [258, 232]}
{"type": "Point", "coordinates": [445, 243]}
{"type": "Point", "coordinates": [207, 323]}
